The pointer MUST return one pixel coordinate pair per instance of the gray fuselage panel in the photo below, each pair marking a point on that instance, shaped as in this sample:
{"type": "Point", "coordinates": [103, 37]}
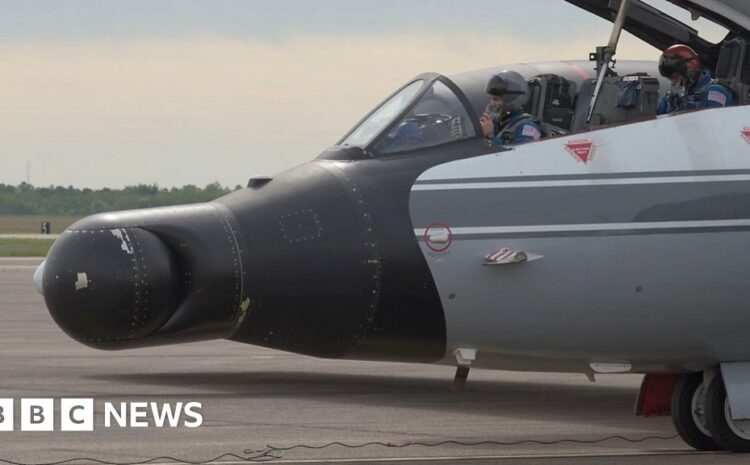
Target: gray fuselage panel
{"type": "Point", "coordinates": [644, 231]}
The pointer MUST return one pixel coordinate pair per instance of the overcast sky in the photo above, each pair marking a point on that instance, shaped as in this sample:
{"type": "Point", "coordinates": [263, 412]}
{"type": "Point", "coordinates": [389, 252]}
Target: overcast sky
{"type": "Point", "coordinates": [110, 93]}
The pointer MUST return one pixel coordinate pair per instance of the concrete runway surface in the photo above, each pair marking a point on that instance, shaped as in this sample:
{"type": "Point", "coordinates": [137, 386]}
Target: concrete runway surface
{"type": "Point", "coordinates": [252, 397]}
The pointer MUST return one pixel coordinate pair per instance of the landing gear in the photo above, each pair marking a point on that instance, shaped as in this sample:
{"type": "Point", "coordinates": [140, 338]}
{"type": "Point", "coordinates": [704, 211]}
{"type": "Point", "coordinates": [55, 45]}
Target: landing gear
{"type": "Point", "coordinates": [731, 435]}
{"type": "Point", "coordinates": [459, 381]}
{"type": "Point", "coordinates": [688, 412]}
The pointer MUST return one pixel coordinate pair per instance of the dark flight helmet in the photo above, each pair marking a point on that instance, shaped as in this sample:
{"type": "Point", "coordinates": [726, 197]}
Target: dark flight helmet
{"type": "Point", "coordinates": [681, 60]}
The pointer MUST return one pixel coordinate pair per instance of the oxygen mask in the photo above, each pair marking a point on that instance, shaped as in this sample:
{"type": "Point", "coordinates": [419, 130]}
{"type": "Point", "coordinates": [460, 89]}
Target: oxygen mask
{"type": "Point", "coordinates": [677, 94]}
{"type": "Point", "coordinates": [496, 112]}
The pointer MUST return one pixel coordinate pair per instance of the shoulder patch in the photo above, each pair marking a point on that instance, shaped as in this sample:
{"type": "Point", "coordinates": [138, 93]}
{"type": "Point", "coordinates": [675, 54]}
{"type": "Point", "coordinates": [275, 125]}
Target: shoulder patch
{"type": "Point", "coordinates": [531, 131]}
{"type": "Point", "coordinates": [717, 96]}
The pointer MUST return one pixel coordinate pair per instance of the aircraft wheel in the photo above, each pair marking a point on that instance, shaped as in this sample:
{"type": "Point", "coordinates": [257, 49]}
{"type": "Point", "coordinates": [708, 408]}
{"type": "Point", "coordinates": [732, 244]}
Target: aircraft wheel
{"type": "Point", "coordinates": [688, 412]}
{"type": "Point", "coordinates": [731, 435]}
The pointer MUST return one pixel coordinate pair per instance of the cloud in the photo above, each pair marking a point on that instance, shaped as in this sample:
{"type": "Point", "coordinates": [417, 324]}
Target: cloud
{"type": "Point", "coordinates": [199, 109]}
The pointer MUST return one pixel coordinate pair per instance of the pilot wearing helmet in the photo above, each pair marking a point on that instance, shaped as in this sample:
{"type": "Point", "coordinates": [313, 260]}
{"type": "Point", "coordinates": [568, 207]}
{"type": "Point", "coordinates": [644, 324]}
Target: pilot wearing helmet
{"type": "Point", "coordinates": [504, 122]}
{"type": "Point", "coordinates": [693, 88]}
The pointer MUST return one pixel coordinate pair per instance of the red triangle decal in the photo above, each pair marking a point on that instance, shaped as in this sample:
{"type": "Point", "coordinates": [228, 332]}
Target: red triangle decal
{"type": "Point", "coordinates": [746, 134]}
{"type": "Point", "coordinates": [582, 150]}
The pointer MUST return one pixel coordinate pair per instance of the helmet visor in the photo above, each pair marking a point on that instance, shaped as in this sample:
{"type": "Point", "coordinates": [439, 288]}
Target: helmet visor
{"type": "Point", "coordinates": [502, 91]}
{"type": "Point", "coordinates": [669, 65]}
{"type": "Point", "coordinates": [497, 86]}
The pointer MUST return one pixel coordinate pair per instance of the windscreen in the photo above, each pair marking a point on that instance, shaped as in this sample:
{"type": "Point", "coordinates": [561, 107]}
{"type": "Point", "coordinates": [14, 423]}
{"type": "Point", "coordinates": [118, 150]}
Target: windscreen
{"type": "Point", "coordinates": [438, 118]}
{"type": "Point", "coordinates": [380, 118]}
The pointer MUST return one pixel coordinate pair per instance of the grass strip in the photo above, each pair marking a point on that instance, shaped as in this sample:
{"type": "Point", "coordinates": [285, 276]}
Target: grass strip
{"type": "Point", "coordinates": [25, 247]}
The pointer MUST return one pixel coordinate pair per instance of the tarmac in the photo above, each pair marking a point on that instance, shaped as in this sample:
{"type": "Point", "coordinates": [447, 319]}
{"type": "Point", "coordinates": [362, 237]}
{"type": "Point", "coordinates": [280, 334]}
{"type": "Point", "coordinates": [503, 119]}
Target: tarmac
{"type": "Point", "coordinates": [252, 397]}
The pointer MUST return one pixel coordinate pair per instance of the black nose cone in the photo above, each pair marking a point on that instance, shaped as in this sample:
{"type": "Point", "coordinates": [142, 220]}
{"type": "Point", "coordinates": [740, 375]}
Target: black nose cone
{"type": "Point", "coordinates": [110, 286]}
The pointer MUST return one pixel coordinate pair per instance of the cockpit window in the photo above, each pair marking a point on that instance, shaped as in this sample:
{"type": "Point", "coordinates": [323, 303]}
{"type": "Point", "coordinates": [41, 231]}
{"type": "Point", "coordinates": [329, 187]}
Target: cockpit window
{"type": "Point", "coordinates": [380, 118]}
{"type": "Point", "coordinates": [439, 117]}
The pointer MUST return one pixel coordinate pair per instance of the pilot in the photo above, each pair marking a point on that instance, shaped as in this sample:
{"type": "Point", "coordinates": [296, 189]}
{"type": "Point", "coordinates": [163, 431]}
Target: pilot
{"type": "Point", "coordinates": [693, 88]}
{"type": "Point", "coordinates": [504, 122]}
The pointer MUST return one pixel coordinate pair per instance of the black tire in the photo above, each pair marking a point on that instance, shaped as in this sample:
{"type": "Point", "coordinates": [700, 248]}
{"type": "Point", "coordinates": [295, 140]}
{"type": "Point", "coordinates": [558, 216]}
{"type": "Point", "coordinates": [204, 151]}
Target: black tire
{"type": "Point", "coordinates": [716, 419]}
{"type": "Point", "coordinates": [682, 413]}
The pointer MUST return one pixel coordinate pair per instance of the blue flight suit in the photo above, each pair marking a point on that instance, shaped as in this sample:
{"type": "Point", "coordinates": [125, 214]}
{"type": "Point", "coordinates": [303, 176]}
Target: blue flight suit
{"type": "Point", "coordinates": [518, 128]}
{"type": "Point", "coordinates": [705, 93]}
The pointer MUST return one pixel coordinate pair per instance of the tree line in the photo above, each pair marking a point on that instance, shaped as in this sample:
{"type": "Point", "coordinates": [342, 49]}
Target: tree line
{"type": "Point", "coordinates": [26, 199]}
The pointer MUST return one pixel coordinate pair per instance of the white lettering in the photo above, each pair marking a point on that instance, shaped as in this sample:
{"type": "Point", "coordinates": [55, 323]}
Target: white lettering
{"type": "Point", "coordinates": [121, 416]}
{"type": "Point", "coordinates": [138, 410]}
{"type": "Point", "coordinates": [190, 411]}
{"type": "Point", "coordinates": [166, 413]}
{"type": "Point", "coordinates": [78, 414]}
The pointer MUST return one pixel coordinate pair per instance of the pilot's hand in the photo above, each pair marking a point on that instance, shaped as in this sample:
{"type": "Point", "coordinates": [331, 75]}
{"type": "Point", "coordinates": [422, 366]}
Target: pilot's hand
{"type": "Point", "coordinates": [488, 126]}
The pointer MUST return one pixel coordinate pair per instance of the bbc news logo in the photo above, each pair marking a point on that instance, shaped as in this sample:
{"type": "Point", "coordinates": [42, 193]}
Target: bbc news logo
{"type": "Point", "coordinates": [79, 415]}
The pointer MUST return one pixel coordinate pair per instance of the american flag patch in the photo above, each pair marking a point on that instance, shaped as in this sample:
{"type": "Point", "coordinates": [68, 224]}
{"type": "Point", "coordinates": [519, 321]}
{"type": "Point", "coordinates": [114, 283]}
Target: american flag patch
{"type": "Point", "coordinates": [717, 97]}
{"type": "Point", "coordinates": [531, 131]}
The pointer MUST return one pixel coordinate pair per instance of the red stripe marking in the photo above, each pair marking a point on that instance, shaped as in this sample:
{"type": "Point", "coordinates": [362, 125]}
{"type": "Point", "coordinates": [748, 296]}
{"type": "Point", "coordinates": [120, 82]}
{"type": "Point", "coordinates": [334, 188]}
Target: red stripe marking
{"type": "Point", "coordinates": [580, 70]}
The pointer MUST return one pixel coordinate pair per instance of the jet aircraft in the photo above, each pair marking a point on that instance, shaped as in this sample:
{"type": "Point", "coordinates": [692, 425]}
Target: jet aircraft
{"type": "Point", "coordinates": [617, 244]}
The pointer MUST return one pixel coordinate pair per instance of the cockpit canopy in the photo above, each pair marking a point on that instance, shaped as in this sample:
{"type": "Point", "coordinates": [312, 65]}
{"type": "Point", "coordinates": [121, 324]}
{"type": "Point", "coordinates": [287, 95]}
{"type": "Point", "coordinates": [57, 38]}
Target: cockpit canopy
{"type": "Point", "coordinates": [424, 113]}
{"type": "Point", "coordinates": [434, 110]}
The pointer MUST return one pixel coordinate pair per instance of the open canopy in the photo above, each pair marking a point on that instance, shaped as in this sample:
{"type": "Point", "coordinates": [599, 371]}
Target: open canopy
{"type": "Point", "coordinates": [661, 30]}
{"type": "Point", "coordinates": [732, 14]}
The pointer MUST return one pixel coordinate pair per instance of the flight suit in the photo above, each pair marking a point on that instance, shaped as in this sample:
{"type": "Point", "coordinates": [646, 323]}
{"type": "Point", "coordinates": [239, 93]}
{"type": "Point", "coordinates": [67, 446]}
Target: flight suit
{"type": "Point", "coordinates": [705, 93]}
{"type": "Point", "coordinates": [518, 128]}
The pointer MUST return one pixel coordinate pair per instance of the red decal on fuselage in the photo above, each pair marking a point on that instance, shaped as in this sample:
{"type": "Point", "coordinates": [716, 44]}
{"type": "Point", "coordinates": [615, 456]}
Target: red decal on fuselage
{"type": "Point", "coordinates": [746, 134]}
{"type": "Point", "coordinates": [582, 150]}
